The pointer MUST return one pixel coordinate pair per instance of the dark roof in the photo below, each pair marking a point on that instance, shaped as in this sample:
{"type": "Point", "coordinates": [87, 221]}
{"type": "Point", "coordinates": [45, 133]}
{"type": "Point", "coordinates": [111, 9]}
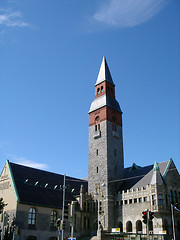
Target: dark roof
{"type": "Point", "coordinates": [141, 176]}
{"type": "Point", "coordinates": [38, 187]}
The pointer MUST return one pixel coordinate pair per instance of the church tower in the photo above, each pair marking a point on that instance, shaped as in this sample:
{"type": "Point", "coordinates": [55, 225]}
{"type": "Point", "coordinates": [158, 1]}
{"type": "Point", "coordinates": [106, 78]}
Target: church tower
{"type": "Point", "coordinates": [106, 162]}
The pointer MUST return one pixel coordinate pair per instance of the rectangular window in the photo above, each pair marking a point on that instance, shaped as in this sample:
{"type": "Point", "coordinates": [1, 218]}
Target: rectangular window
{"type": "Point", "coordinates": [145, 199]}
{"type": "Point", "coordinates": [125, 202]}
{"type": "Point", "coordinates": [130, 201]}
{"type": "Point", "coordinates": [160, 199]}
{"type": "Point", "coordinates": [154, 200]}
{"type": "Point", "coordinates": [121, 202]}
{"type": "Point", "coordinates": [97, 169]}
{"type": "Point", "coordinates": [114, 127]}
{"type": "Point", "coordinates": [140, 199]}
{"type": "Point", "coordinates": [135, 200]}
{"type": "Point", "coordinates": [97, 152]}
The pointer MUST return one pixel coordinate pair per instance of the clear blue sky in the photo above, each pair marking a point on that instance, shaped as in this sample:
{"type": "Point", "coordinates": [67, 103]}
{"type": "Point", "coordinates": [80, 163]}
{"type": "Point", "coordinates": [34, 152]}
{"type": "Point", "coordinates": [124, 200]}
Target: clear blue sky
{"type": "Point", "coordinates": [50, 55]}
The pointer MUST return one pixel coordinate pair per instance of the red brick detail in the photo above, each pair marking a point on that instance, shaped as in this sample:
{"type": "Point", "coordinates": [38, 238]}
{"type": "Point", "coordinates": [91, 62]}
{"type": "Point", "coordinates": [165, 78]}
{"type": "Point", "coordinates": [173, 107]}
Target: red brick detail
{"type": "Point", "coordinates": [108, 88]}
{"type": "Point", "coordinates": [105, 113]}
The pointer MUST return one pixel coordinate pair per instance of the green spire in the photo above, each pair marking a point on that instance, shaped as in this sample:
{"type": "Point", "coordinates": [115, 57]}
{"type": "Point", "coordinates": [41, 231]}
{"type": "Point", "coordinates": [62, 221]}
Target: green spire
{"type": "Point", "coordinates": [156, 167]}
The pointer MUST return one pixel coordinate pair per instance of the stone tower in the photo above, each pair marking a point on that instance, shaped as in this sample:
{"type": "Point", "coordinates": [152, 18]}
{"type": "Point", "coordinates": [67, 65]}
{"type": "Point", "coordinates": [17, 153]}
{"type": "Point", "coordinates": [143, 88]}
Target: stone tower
{"type": "Point", "coordinates": [106, 163]}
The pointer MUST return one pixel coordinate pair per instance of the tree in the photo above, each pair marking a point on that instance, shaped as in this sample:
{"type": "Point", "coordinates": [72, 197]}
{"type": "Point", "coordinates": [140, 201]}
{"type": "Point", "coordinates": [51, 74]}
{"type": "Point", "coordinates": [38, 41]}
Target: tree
{"type": "Point", "coordinates": [2, 205]}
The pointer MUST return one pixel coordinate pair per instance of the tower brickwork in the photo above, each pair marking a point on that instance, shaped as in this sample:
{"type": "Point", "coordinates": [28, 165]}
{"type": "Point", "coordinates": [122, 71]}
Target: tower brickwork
{"type": "Point", "coordinates": [106, 163]}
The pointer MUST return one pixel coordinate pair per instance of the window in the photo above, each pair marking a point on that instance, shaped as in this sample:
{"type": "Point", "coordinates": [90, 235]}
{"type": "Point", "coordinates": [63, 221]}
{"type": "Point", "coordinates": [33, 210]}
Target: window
{"type": "Point", "coordinates": [121, 202]}
{"type": "Point", "coordinates": [115, 152]}
{"type": "Point", "coordinates": [98, 91]}
{"type": "Point", "coordinates": [97, 169]}
{"type": "Point", "coordinates": [138, 226]}
{"type": "Point", "coordinates": [114, 127]}
{"type": "Point", "coordinates": [145, 199]}
{"type": "Point", "coordinates": [32, 216]}
{"type": "Point", "coordinates": [135, 200]}
{"type": "Point", "coordinates": [125, 202]}
{"type": "Point", "coordinates": [53, 218]}
{"type": "Point", "coordinates": [96, 152]}
{"type": "Point", "coordinates": [97, 127]}
{"type": "Point", "coordinates": [171, 197]}
{"type": "Point", "coordinates": [102, 90]}
{"type": "Point", "coordinates": [130, 201]}
{"type": "Point", "coordinates": [140, 199]}
{"type": "Point", "coordinates": [97, 118]}
{"type": "Point", "coordinates": [175, 197]}
{"type": "Point", "coordinates": [160, 199]}
{"type": "Point", "coordinates": [129, 226]}
{"type": "Point", "coordinates": [154, 200]}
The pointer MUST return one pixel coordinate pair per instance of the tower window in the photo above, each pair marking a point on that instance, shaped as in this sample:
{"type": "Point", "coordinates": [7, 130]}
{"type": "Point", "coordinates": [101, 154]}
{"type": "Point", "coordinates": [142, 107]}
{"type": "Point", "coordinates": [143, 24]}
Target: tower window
{"type": "Point", "coordinates": [102, 90]}
{"type": "Point", "coordinates": [97, 118]}
{"type": "Point", "coordinates": [97, 127]}
{"type": "Point", "coordinates": [98, 91]}
{"type": "Point", "coordinates": [114, 127]}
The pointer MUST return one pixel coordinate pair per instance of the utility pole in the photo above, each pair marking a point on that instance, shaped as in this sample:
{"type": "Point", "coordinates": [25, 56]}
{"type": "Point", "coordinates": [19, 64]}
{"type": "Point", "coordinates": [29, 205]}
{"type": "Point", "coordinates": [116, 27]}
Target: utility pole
{"type": "Point", "coordinates": [172, 212]}
{"type": "Point", "coordinates": [147, 224]}
{"type": "Point", "coordinates": [73, 210]}
{"type": "Point", "coordinates": [64, 191]}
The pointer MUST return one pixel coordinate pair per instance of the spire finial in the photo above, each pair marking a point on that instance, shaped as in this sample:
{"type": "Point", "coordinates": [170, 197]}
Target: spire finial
{"type": "Point", "coordinates": [156, 167]}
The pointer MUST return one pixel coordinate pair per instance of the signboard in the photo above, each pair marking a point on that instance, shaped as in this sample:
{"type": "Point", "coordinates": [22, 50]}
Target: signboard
{"type": "Point", "coordinates": [163, 232]}
{"type": "Point", "coordinates": [115, 230]}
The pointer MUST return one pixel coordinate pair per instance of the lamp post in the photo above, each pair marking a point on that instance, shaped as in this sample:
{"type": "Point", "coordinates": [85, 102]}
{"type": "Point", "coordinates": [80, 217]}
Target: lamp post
{"type": "Point", "coordinates": [64, 191]}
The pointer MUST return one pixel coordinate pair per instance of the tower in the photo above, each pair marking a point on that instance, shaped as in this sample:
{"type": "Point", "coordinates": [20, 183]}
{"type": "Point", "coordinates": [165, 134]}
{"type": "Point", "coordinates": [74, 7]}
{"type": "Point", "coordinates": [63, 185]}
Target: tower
{"type": "Point", "coordinates": [106, 163]}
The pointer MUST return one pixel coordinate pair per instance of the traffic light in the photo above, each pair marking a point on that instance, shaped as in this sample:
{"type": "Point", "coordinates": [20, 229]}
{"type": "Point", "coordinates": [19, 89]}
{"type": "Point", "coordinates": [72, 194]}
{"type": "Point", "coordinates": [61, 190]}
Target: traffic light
{"type": "Point", "coordinates": [58, 222]}
{"type": "Point", "coordinates": [151, 215]}
{"type": "Point", "coordinates": [144, 216]}
{"type": "Point", "coordinates": [63, 225]}
{"type": "Point", "coordinates": [66, 211]}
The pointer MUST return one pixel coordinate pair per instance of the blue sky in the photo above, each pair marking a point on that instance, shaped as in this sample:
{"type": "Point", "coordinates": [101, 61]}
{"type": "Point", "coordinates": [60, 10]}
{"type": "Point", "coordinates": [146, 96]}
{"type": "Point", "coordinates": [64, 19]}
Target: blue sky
{"type": "Point", "coordinates": [50, 55]}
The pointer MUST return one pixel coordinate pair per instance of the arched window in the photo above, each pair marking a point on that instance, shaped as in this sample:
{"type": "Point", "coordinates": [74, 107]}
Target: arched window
{"type": "Point", "coordinates": [98, 91]}
{"type": "Point", "coordinates": [175, 197]}
{"type": "Point", "coordinates": [53, 218]}
{"type": "Point", "coordinates": [97, 118]}
{"type": "Point", "coordinates": [171, 196]}
{"type": "Point", "coordinates": [102, 89]}
{"type": "Point", "coordinates": [32, 216]}
{"type": "Point", "coordinates": [138, 226]}
{"type": "Point", "coordinates": [129, 226]}
{"type": "Point", "coordinates": [120, 225]}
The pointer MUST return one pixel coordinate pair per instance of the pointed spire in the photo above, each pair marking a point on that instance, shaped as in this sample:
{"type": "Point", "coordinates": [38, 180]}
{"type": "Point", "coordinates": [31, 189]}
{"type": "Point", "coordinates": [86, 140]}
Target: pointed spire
{"type": "Point", "coordinates": [156, 167]}
{"type": "Point", "coordinates": [104, 73]}
{"type": "Point", "coordinates": [156, 175]}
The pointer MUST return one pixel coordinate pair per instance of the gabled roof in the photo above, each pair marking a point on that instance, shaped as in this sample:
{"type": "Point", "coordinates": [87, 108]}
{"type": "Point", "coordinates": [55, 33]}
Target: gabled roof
{"type": "Point", "coordinates": [104, 73]}
{"type": "Point", "coordinates": [141, 177]}
{"type": "Point", "coordinates": [42, 188]}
